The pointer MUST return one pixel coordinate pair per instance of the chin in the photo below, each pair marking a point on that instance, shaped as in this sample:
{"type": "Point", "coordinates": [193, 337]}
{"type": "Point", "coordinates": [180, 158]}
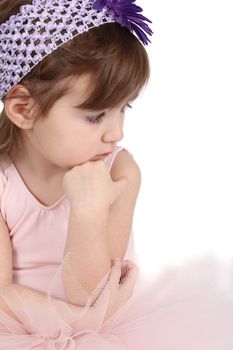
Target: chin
{"type": "Point", "coordinates": [76, 163]}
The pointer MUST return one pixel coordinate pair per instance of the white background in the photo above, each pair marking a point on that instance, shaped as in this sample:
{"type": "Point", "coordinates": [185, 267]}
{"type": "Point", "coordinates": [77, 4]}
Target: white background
{"type": "Point", "coordinates": [180, 133]}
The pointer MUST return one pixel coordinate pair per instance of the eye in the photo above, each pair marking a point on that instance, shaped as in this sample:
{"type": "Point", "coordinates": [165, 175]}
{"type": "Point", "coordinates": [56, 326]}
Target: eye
{"type": "Point", "coordinates": [126, 107]}
{"type": "Point", "coordinates": [96, 119]}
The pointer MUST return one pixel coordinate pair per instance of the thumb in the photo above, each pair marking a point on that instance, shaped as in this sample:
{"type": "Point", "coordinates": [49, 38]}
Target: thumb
{"type": "Point", "coordinates": [130, 272]}
{"type": "Point", "coordinates": [111, 284]}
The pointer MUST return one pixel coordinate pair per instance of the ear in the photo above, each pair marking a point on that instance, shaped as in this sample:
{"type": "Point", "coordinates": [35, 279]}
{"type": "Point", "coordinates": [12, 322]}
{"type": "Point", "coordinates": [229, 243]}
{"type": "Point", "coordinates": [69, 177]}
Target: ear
{"type": "Point", "coordinates": [18, 107]}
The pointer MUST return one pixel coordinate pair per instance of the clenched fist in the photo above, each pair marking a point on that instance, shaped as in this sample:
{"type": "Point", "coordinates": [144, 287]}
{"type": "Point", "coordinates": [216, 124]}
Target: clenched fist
{"type": "Point", "coordinates": [90, 185]}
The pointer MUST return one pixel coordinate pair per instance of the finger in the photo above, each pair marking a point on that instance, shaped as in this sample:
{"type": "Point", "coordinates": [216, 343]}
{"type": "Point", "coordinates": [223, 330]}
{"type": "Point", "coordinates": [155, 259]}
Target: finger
{"type": "Point", "coordinates": [115, 274]}
{"type": "Point", "coordinates": [130, 272]}
{"type": "Point", "coordinates": [110, 284]}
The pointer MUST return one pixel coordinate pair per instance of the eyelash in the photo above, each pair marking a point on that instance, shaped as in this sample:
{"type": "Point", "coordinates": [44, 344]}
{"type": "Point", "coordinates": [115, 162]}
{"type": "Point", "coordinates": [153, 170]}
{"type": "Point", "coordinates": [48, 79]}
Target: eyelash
{"type": "Point", "coordinates": [101, 116]}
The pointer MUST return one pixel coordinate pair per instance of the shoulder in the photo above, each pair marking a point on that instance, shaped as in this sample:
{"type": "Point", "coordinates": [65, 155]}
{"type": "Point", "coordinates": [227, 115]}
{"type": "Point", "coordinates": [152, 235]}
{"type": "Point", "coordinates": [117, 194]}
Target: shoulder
{"type": "Point", "coordinates": [125, 165]}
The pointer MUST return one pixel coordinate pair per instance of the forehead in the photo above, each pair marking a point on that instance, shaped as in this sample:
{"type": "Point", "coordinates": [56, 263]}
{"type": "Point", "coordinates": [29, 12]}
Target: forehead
{"type": "Point", "coordinates": [81, 88]}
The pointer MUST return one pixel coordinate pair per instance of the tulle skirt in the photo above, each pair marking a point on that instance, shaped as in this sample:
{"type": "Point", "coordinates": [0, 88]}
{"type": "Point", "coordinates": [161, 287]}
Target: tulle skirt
{"type": "Point", "coordinates": [185, 308]}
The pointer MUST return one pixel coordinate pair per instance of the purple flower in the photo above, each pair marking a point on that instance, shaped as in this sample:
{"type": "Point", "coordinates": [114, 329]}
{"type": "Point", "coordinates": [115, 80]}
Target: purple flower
{"type": "Point", "coordinates": [128, 15]}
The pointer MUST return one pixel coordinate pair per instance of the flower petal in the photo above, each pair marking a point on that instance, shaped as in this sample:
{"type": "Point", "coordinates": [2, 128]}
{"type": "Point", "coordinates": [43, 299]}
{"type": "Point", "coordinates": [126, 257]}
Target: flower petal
{"type": "Point", "coordinates": [128, 15]}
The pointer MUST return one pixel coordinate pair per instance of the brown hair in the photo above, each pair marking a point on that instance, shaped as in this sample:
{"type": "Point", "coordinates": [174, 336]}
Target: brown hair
{"type": "Point", "coordinates": [112, 54]}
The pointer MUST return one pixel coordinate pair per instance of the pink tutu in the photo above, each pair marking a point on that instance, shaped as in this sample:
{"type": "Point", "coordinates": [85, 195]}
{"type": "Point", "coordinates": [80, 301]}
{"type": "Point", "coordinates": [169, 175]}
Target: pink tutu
{"type": "Point", "coordinates": [188, 308]}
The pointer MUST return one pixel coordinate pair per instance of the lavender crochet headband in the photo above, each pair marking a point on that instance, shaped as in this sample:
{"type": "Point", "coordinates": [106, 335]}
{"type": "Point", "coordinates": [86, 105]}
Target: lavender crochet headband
{"type": "Point", "coordinates": [41, 27]}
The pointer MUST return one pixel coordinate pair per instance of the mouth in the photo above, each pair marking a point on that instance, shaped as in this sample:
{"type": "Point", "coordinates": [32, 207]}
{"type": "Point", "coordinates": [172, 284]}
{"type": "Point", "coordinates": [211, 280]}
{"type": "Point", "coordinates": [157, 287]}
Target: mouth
{"type": "Point", "coordinates": [104, 154]}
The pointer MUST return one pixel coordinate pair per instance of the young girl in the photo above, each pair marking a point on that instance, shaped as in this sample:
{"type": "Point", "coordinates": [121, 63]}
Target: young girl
{"type": "Point", "coordinates": [69, 70]}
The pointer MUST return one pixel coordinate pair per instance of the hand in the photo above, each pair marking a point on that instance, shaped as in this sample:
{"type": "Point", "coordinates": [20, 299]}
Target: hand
{"type": "Point", "coordinates": [90, 185]}
{"type": "Point", "coordinates": [117, 290]}
{"type": "Point", "coordinates": [121, 283]}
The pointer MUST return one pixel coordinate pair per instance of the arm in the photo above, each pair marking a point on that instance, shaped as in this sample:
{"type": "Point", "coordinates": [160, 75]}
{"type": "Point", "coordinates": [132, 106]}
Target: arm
{"type": "Point", "coordinates": [117, 292]}
{"type": "Point", "coordinates": [122, 211]}
{"type": "Point", "coordinates": [90, 259]}
{"type": "Point", "coordinates": [96, 238]}
{"type": "Point", "coordinates": [88, 246]}
{"type": "Point", "coordinates": [7, 286]}
{"type": "Point", "coordinates": [13, 291]}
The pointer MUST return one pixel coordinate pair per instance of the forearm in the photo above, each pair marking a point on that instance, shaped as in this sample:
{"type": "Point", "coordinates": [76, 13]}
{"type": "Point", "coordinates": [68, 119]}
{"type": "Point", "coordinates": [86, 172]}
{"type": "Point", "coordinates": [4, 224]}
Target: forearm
{"type": "Point", "coordinates": [33, 297]}
{"type": "Point", "coordinates": [90, 258]}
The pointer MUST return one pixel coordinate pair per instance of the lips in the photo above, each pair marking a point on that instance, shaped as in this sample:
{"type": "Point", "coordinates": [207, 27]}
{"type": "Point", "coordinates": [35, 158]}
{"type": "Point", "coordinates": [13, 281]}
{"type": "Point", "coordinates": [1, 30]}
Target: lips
{"type": "Point", "coordinates": [104, 154]}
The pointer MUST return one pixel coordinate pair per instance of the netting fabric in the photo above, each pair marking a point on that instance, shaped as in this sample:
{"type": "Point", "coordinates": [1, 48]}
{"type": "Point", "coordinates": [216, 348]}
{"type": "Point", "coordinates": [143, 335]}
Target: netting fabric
{"type": "Point", "coordinates": [189, 307]}
{"type": "Point", "coordinates": [37, 30]}
{"type": "Point", "coordinates": [41, 27]}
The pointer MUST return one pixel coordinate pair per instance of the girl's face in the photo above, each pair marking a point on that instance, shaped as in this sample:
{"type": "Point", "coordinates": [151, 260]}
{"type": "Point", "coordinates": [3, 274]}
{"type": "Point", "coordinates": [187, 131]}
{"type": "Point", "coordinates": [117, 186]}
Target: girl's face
{"type": "Point", "coordinates": [70, 136]}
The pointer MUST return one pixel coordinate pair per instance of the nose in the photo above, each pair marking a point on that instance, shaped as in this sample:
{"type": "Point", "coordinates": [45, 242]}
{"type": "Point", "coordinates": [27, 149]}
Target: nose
{"type": "Point", "coordinates": [114, 130]}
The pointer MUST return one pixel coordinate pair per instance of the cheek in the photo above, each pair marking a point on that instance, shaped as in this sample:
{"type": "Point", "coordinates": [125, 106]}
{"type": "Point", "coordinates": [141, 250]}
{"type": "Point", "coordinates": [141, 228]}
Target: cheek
{"type": "Point", "coordinates": [83, 133]}
{"type": "Point", "coordinates": [78, 136]}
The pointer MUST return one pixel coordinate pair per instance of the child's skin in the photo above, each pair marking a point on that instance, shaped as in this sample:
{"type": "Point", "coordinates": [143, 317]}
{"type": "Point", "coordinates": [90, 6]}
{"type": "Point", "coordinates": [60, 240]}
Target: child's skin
{"type": "Point", "coordinates": [121, 283]}
{"type": "Point", "coordinates": [65, 138]}
{"type": "Point", "coordinates": [59, 156]}
{"type": "Point", "coordinates": [91, 192]}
